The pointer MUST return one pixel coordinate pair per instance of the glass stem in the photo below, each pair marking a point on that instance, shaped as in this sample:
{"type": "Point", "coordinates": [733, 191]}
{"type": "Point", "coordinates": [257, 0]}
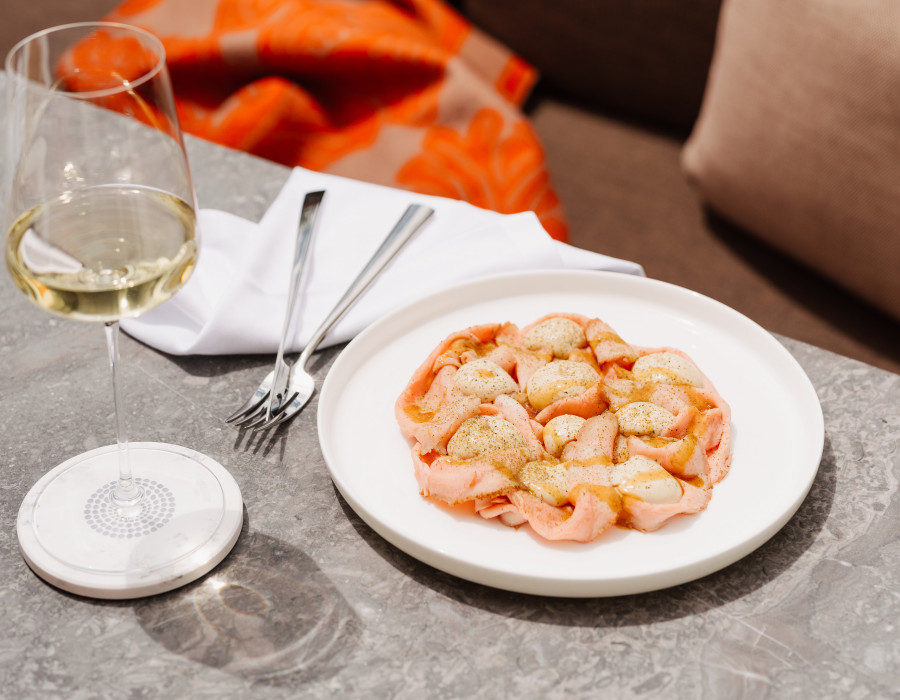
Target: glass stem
{"type": "Point", "coordinates": [127, 493]}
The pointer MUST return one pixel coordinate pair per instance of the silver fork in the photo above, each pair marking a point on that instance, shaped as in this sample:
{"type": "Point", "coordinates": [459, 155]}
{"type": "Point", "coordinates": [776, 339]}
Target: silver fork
{"type": "Point", "coordinates": [302, 385]}
{"type": "Point", "coordinates": [257, 407]}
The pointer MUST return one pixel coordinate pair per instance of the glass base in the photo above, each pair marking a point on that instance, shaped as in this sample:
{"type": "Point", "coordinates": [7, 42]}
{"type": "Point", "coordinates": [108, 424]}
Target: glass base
{"type": "Point", "coordinates": [73, 536]}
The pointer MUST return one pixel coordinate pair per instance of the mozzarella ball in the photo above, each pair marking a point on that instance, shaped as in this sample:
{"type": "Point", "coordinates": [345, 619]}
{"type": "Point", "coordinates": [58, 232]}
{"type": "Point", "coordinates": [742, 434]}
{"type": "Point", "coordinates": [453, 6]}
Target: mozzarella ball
{"type": "Point", "coordinates": [559, 431]}
{"type": "Point", "coordinates": [548, 481]}
{"type": "Point", "coordinates": [643, 418]}
{"type": "Point", "coordinates": [666, 368]}
{"type": "Point", "coordinates": [642, 478]}
{"type": "Point", "coordinates": [558, 335]}
{"type": "Point", "coordinates": [485, 379]}
{"type": "Point", "coordinates": [559, 379]}
{"type": "Point", "coordinates": [482, 434]}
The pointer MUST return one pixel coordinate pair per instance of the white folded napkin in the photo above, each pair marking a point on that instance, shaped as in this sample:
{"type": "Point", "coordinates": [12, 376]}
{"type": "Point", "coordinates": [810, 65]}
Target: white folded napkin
{"type": "Point", "coordinates": [235, 301]}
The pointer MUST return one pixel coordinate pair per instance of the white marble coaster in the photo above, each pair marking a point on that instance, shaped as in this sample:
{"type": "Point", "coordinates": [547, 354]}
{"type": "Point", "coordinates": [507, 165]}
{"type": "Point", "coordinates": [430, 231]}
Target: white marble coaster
{"type": "Point", "coordinates": [74, 537]}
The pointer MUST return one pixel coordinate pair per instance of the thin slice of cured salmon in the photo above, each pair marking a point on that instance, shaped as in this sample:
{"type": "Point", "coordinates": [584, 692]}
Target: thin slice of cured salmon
{"type": "Point", "coordinates": [457, 481]}
{"type": "Point", "coordinates": [499, 507]}
{"type": "Point", "coordinates": [431, 408]}
{"type": "Point", "coordinates": [586, 405]}
{"type": "Point", "coordinates": [607, 345]}
{"type": "Point", "coordinates": [595, 510]}
{"type": "Point", "coordinates": [683, 457]}
{"type": "Point", "coordinates": [597, 437]}
{"type": "Point", "coordinates": [648, 517]}
{"type": "Point", "coordinates": [431, 418]}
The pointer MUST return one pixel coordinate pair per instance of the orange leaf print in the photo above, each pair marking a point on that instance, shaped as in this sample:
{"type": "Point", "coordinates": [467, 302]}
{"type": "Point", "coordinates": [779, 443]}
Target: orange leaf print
{"type": "Point", "coordinates": [398, 92]}
{"type": "Point", "coordinates": [491, 165]}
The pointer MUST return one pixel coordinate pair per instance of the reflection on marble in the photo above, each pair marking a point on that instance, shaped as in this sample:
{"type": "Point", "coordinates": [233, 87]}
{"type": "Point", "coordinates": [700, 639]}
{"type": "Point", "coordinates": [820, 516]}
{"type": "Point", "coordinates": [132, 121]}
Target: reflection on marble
{"type": "Point", "coordinates": [267, 614]}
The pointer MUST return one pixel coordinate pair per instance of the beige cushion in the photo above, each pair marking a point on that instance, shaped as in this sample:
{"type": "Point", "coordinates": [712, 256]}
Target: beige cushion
{"type": "Point", "coordinates": [798, 139]}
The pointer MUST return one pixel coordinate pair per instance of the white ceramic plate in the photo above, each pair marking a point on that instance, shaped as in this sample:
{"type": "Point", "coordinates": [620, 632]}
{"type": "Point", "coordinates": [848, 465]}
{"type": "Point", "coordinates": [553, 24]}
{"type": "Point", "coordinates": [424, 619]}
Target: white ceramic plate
{"type": "Point", "coordinates": [777, 438]}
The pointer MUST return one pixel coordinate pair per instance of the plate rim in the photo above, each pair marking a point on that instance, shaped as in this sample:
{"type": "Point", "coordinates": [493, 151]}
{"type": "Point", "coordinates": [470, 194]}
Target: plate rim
{"type": "Point", "coordinates": [444, 300]}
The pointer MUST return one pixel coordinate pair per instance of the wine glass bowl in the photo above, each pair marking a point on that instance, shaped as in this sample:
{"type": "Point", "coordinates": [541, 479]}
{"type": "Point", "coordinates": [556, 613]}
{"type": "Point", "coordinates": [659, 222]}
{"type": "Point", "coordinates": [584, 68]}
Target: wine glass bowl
{"type": "Point", "coordinates": [102, 226]}
{"type": "Point", "coordinates": [105, 224]}
{"type": "Point", "coordinates": [103, 253]}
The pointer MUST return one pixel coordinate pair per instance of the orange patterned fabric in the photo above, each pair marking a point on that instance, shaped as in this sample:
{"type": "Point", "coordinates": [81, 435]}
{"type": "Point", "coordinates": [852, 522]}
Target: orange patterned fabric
{"type": "Point", "coordinates": [404, 93]}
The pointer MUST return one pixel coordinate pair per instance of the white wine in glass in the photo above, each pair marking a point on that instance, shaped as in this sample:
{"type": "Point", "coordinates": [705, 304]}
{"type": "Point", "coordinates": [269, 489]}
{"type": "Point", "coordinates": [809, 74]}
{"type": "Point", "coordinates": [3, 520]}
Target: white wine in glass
{"type": "Point", "coordinates": [102, 226]}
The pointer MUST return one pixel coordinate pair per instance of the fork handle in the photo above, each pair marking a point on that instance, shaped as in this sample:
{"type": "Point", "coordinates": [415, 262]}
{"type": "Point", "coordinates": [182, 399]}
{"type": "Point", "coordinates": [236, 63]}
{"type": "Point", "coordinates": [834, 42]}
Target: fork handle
{"type": "Point", "coordinates": [301, 252]}
{"type": "Point", "coordinates": [411, 221]}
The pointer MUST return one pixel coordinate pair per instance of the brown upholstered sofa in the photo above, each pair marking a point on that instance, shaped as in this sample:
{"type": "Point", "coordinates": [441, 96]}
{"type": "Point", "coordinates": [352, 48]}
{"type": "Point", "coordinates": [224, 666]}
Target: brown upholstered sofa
{"type": "Point", "coordinates": [623, 83]}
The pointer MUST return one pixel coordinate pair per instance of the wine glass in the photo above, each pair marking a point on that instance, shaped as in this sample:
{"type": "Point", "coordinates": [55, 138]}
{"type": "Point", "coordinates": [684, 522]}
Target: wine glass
{"type": "Point", "coordinates": [101, 226]}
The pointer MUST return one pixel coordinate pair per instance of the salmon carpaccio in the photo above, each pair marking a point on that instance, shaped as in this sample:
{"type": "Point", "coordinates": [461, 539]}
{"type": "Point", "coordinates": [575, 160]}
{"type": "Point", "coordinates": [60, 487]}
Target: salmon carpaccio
{"type": "Point", "coordinates": [564, 426]}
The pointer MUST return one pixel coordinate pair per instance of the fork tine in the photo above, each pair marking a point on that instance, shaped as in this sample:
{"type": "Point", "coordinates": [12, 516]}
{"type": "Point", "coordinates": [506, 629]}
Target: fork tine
{"type": "Point", "coordinates": [253, 417]}
{"type": "Point", "coordinates": [251, 405]}
{"type": "Point", "coordinates": [248, 410]}
{"type": "Point", "coordinates": [303, 388]}
{"type": "Point", "coordinates": [254, 422]}
{"type": "Point", "coordinates": [257, 419]}
{"type": "Point", "coordinates": [277, 419]}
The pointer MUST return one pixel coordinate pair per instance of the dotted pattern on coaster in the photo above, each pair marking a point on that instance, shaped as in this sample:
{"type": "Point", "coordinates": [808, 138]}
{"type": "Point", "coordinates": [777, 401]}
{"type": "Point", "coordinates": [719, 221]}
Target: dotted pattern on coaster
{"type": "Point", "coordinates": [157, 508]}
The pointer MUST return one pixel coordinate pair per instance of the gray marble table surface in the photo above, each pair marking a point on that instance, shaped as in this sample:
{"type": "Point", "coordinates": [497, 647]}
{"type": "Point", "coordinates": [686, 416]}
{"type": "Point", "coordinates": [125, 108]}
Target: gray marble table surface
{"type": "Point", "coordinates": [312, 603]}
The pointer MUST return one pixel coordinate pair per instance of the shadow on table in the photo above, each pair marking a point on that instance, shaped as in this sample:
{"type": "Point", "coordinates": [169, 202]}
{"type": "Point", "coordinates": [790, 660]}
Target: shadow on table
{"type": "Point", "coordinates": [734, 582]}
{"type": "Point", "coordinates": [267, 614]}
{"type": "Point", "coordinates": [244, 373]}
{"type": "Point", "coordinates": [219, 365]}
{"type": "Point", "coordinates": [238, 376]}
